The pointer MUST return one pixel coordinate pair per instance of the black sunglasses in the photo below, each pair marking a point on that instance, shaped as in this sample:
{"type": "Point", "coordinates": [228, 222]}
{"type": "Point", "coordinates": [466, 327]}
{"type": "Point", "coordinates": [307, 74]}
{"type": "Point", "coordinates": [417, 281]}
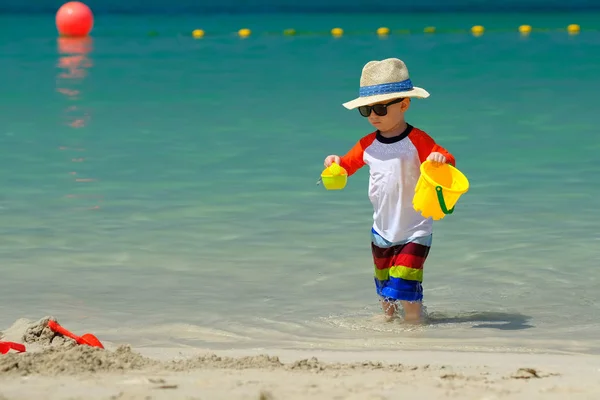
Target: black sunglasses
{"type": "Point", "coordinates": [379, 109]}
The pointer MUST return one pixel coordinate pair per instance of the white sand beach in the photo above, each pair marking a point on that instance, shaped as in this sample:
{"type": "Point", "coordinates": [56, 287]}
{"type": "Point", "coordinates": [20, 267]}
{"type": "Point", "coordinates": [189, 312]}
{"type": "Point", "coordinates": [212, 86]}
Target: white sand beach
{"type": "Point", "coordinates": [56, 368]}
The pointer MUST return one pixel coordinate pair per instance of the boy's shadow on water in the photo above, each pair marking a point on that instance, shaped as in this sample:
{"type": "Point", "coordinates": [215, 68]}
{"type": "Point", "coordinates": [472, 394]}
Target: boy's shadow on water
{"type": "Point", "coordinates": [487, 319]}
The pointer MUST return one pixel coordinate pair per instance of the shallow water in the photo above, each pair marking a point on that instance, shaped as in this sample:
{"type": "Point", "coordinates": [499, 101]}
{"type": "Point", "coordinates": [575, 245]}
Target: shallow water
{"type": "Point", "coordinates": [161, 190]}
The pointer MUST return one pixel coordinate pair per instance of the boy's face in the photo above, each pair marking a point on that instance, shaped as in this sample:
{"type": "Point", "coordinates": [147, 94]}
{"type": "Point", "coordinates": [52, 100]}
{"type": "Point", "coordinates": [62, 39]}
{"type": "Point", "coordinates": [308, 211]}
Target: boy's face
{"type": "Point", "coordinates": [393, 111]}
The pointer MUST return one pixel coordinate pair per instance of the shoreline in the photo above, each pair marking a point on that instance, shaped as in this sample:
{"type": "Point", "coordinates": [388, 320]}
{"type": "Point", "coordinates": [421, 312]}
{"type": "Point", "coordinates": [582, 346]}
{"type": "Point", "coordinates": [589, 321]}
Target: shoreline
{"type": "Point", "coordinates": [55, 368]}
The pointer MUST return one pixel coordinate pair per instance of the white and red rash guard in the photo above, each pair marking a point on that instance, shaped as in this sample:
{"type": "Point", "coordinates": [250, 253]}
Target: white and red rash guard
{"type": "Point", "coordinates": [394, 168]}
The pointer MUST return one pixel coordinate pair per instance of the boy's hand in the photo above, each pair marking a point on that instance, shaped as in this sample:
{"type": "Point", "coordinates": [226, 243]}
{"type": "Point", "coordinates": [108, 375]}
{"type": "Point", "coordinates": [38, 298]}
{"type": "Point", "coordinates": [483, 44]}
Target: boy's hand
{"type": "Point", "coordinates": [331, 159]}
{"type": "Point", "coordinates": [437, 158]}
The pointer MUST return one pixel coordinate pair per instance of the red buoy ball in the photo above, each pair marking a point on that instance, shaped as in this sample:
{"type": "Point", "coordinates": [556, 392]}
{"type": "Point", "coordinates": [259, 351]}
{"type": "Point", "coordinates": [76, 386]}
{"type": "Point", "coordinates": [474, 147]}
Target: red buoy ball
{"type": "Point", "coordinates": [74, 19]}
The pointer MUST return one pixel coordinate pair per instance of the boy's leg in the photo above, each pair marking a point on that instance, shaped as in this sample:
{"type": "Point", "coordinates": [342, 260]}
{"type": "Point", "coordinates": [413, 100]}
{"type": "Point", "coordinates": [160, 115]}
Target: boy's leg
{"type": "Point", "coordinates": [412, 311]}
{"type": "Point", "coordinates": [398, 275]}
{"type": "Point", "coordinates": [390, 308]}
{"type": "Point", "coordinates": [379, 246]}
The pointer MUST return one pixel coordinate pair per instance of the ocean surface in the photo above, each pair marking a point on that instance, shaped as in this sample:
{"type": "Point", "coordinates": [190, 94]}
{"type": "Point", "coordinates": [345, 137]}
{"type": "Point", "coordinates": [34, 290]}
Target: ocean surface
{"type": "Point", "coordinates": [163, 7]}
{"type": "Point", "coordinates": [161, 191]}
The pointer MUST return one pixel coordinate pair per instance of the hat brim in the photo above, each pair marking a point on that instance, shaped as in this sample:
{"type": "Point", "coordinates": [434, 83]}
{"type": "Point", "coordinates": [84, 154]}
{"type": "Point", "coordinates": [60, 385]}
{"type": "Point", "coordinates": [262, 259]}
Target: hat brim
{"type": "Point", "coordinates": [363, 101]}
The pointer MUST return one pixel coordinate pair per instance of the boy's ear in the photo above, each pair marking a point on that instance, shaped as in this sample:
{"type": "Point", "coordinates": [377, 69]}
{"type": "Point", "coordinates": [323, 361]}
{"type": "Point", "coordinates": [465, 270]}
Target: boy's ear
{"type": "Point", "coordinates": [405, 104]}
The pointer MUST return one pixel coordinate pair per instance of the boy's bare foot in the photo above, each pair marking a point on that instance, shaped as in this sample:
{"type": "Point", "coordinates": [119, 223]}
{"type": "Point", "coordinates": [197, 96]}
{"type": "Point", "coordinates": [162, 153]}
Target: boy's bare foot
{"type": "Point", "coordinates": [382, 318]}
{"type": "Point", "coordinates": [389, 318]}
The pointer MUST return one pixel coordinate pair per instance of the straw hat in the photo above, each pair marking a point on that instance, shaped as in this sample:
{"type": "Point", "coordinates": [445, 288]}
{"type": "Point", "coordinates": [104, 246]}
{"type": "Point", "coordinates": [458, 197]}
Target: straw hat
{"type": "Point", "coordinates": [385, 80]}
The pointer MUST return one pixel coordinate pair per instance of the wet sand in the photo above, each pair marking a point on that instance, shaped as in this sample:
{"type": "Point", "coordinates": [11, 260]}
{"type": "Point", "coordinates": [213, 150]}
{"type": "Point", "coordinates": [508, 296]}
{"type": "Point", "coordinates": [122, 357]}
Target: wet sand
{"type": "Point", "coordinates": [55, 367]}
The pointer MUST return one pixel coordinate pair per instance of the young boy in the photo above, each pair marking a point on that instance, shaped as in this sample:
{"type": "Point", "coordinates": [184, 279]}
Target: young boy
{"type": "Point", "coordinates": [400, 236]}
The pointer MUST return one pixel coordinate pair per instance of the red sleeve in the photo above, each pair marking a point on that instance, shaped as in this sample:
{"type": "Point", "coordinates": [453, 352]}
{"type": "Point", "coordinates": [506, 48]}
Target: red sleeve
{"type": "Point", "coordinates": [354, 160]}
{"type": "Point", "coordinates": [426, 145]}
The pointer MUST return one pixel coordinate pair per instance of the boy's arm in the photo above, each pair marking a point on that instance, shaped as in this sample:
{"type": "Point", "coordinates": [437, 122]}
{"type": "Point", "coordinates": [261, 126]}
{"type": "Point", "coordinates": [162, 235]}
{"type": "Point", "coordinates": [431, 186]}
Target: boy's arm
{"type": "Point", "coordinates": [354, 160]}
{"type": "Point", "coordinates": [426, 145]}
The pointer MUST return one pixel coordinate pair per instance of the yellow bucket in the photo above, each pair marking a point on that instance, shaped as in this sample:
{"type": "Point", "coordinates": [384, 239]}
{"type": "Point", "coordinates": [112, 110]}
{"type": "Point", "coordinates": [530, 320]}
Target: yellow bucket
{"type": "Point", "coordinates": [438, 189]}
{"type": "Point", "coordinates": [334, 177]}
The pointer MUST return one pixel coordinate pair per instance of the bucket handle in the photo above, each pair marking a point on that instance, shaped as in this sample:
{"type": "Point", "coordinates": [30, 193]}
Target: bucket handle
{"type": "Point", "coordinates": [442, 202]}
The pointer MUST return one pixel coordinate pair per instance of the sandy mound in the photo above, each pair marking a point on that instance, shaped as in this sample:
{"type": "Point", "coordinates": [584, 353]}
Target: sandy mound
{"type": "Point", "coordinates": [49, 353]}
{"type": "Point", "coordinates": [271, 362]}
{"type": "Point", "coordinates": [57, 360]}
{"type": "Point", "coordinates": [35, 333]}
{"type": "Point", "coordinates": [84, 359]}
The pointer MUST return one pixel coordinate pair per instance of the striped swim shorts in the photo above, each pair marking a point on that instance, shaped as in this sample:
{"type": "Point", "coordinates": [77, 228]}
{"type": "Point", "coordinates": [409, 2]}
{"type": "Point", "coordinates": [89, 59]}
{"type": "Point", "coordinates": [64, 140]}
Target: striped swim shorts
{"type": "Point", "coordinates": [399, 267]}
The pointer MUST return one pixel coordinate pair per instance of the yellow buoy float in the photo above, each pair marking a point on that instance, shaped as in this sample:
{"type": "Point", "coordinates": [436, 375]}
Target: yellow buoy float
{"type": "Point", "coordinates": [244, 32]}
{"type": "Point", "coordinates": [334, 177]}
{"type": "Point", "coordinates": [289, 32]}
{"type": "Point", "coordinates": [383, 31]}
{"type": "Point", "coordinates": [477, 30]}
{"type": "Point", "coordinates": [573, 29]}
{"type": "Point", "coordinates": [438, 189]}
{"type": "Point", "coordinates": [198, 33]}
{"type": "Point", "coordinates": [337, 32]}
{"type": "Point", "coordinates": [429, 29]}
{"type": "Point", "coordinates": [525, 29]}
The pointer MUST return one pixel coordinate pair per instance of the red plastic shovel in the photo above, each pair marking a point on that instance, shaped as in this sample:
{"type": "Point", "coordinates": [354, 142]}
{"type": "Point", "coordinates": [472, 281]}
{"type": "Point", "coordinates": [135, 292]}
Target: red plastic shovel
{"type": "Point", "coordinates": [5, 347]}
{"type": "Point", "coordinates": [87, 338]}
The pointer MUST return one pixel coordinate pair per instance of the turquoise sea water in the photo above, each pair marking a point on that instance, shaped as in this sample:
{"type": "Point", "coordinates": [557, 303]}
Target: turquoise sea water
{"type": "Point", "coordinates": [160, 190]}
